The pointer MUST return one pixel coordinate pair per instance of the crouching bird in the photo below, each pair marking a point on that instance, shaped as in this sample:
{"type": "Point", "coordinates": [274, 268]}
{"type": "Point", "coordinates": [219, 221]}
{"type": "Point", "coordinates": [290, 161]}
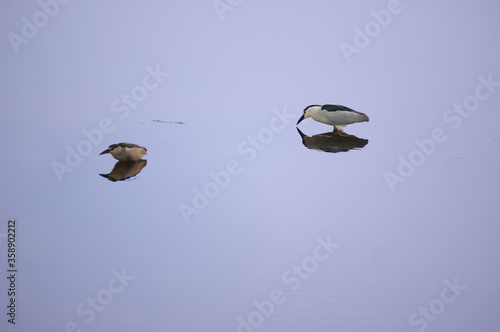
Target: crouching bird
{"type": "Point", "coordinates": [126, 151]}
{"type": "Point", "coordinates": [336, 115]}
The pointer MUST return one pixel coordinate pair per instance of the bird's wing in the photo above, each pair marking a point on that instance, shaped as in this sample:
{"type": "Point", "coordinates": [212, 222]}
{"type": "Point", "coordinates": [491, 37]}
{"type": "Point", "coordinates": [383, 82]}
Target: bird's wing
{"type": "Point", "coordinates": [333, 108]}
{"type": "Point", "coordinates": [127, 145]}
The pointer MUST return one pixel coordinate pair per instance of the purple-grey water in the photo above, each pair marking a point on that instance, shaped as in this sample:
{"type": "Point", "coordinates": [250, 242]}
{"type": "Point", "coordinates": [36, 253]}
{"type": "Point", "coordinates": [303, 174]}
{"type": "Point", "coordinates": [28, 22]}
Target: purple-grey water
{"type": "Point", "coordinates": [238, 222]}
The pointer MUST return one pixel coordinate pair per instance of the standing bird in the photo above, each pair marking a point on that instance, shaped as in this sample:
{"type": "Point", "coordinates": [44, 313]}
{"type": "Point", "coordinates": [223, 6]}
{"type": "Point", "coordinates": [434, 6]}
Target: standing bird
{"type": "Point", "coordinates": [126, 151]}
{"type": "Point", "coordinates": [336, 115]}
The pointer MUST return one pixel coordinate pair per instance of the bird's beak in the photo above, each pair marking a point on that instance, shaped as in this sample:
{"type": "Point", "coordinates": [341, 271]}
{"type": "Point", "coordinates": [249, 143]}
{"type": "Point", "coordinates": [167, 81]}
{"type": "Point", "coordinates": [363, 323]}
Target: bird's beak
{"type": "Point", "coordinates": [301, 118]}
{"type": "Point", "coordinates": [105, 151]}
{"type": "Point", "coordinates": [300, 133]}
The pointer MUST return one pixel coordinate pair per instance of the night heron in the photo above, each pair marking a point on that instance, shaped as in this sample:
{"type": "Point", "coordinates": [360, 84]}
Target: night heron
{"type": "Point", "coordinates": [336, 115]}
{"type": "Point", "coordinates": [126, 151]}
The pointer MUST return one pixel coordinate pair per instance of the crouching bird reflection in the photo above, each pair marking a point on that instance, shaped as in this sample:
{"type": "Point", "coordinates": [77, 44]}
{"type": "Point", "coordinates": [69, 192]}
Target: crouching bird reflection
{"type": "Point", "coordinates": [336, 141]}
{"type": "Point", "coordinates": [124, 170]}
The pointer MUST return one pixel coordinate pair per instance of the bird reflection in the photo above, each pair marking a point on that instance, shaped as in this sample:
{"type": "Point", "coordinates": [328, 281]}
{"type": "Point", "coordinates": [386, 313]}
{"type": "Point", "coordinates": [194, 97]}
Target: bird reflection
{"type": "Point", "coordinates": [124, 170]}
{"type": "Point", "coordinates": [336, 141]}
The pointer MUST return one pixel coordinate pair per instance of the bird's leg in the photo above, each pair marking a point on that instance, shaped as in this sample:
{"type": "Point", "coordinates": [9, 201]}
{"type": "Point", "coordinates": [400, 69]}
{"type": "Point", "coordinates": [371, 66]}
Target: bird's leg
{"type": "Point", "coordinates": [338, 129]}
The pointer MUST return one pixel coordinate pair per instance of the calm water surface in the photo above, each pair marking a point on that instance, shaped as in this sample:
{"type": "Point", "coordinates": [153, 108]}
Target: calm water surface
{"type": "Point", "coordinates": [238, 221]}
{"type": "Point", "coordinates": [316, 240]}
